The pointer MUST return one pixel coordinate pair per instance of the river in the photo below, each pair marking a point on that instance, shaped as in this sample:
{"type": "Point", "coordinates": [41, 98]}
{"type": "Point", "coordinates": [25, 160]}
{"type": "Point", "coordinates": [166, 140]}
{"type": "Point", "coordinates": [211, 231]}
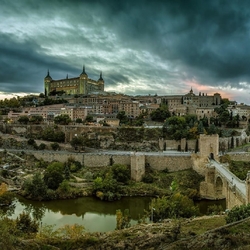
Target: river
{"type": "Point", "coordinates": [93, 214]}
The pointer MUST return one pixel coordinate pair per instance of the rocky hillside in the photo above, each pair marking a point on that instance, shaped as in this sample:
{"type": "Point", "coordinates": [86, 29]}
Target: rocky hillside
{"type": "Point", "coordinates": [209, 232]}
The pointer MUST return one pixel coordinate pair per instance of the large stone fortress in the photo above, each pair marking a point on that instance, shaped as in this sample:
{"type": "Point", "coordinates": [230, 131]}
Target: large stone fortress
{"type": "Point", "coordinates": [81, 85]}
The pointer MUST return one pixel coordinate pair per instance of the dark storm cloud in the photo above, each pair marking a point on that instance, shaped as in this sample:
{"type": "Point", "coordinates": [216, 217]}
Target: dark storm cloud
{"type": "Point", "coordinates": [161, 44]}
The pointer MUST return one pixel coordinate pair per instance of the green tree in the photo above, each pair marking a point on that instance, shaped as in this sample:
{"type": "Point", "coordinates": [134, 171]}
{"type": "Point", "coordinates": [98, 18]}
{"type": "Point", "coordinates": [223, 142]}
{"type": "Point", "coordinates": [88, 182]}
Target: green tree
{"type": "Point", "coordinates": [200, 128]}
{"type": "Point", "coordinates": [53, 175]}
{"type": "Point", "coordinates": [62, 119]}
{"type": "Point", "coordinates": [36, 119]}
{"type": "Point", "coordinates": [78, 120]}
{"type": "Point", "coordinates": [122, 117]}
{"type": "Point", "coordinates": [121, 173]}
{"type": "Point", "coordinates": [41, 146]}
{"type": "Point", "coordinates": [67, 172]}
{"type": "Point", "coordinates": [53, 134]}
{"type": "Point", "coordinates": [160, 114]}
{"type": "Point", "coordinates": [35, 187]}
{"type": "Point", "coordinates": [176, 127]}
{"type": "Point", "coordinates": [23, 119]}
{"type": "Point", "coordinates": [77, 142]}
{"type": "Point", "coordinates": [106, 187]}
{"type": "Point", "coordinates": [89, 118]}
{"type": "Point", "coordinates": [212, 129]}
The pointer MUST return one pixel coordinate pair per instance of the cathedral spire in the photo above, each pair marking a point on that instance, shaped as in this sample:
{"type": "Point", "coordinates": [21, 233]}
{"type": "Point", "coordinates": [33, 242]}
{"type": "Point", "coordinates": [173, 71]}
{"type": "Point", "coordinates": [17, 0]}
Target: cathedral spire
{"type": "Point", "coordinates": [83, 69]}
{"type": "Point", "coordinates": [48, 76]}
{"type": "Point", "coordinates": [101, 79]}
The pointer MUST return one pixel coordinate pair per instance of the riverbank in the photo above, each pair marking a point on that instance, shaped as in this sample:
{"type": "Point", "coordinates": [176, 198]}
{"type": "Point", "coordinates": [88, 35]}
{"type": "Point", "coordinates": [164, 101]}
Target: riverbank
{"type": "Point", "coordinates": [207, 232]}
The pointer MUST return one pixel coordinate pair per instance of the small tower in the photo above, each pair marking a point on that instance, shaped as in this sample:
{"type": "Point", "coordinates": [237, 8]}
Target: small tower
{"type": "Point", "coordinates": [101, 82]}
{"type": "Point", "coordinates": [82, 89]}
{"type": "Point", "coordinates": [83, 74]}
{"type": "Point", "coordinates": [47, 81]}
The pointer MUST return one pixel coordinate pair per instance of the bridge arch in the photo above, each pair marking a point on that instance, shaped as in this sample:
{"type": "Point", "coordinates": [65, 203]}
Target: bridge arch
{"type": "Point", "coordinates": [219, 186]}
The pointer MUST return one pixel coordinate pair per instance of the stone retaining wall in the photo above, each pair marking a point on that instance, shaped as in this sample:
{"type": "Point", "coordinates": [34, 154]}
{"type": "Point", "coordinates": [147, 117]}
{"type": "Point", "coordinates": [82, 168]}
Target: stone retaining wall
{"type": "Point", "coordinates": [172, 163]}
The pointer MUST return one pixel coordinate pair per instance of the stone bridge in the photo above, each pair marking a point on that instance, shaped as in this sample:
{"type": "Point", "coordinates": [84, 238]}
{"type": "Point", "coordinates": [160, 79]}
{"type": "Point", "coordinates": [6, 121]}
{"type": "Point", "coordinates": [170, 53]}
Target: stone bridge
{"type": "Point", "coordinates": [219, 181]}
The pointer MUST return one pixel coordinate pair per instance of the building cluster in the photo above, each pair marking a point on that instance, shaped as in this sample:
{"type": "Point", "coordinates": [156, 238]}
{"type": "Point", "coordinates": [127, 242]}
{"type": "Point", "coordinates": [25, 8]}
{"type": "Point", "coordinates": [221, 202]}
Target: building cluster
{"type": "Point", "coordinates": [87, 97]}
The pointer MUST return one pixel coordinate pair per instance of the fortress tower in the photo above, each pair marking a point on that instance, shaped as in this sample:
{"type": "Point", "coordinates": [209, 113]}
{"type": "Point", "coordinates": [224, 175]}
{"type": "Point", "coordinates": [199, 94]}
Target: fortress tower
{"type": "Point", "coordinates": [81, 85]}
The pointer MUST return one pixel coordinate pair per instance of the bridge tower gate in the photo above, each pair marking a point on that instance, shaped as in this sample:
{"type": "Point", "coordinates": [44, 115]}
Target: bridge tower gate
{"type": "Point", "coordinates": [209, 146]}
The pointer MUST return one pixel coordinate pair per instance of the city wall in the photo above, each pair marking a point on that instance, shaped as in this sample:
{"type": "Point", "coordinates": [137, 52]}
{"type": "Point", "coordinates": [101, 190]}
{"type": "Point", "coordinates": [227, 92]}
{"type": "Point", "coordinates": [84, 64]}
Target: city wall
{"type": "Point", "coordinates": [157, 162]}
{"type": "Point", "coordinates": [101, 160]}
{"type": "Point", "coordinates": [172, 163]}
{"type": "Point", "coordinates": [56, 156]}
{"type": "Point", "coordinates": [240, 156]}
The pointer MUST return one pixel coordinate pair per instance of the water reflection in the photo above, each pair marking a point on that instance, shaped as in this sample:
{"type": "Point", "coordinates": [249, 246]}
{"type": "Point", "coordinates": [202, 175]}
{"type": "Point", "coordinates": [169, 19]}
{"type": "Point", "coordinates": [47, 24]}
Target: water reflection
{"type": "Point", "coordinates": [93, 214]}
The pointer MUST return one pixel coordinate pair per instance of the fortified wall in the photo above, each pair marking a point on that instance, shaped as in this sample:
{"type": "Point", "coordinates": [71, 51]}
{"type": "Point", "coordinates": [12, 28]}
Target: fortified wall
{"type": "Point", "coordinates": [137, 161]}
{"type": "Point", "coordinates": [240, 156]}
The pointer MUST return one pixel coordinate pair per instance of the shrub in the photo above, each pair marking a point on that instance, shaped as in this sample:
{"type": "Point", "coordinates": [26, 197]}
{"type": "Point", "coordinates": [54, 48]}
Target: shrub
{"type": "Point", "coordinates": [25, 224]}
{"type": "Point", "coordinates": [88, 176]}
{"type": "Point", "coordinates": [5, 173]}
{"type": "Point", "coordinates": [75, 166]}
{"type": "Point", "coordinates": [64, 186]}
{"type": "Point", "coordinates": [106, 188]}
{"type": "Point", "coordinates": [55, 146]}
{"type": "Point", "coordinates": [148, 178]}
{"type": "Point", "coordinates": [73, 232]}
{"type": "Point", "coordinates": [8, 233]}
{"type": "Point", "coordinates": [42, 146]}
{"type": "Point", "coordinates": [41, 164]}
{"type": "Point", "coordinates": [122, 219]}
{"type": "Point", "coordinates": [214, 209]}
{"type": "Point", "coordinates": [31, 141]}
{"type": "Point", "coordinates": [121, 173]}
{"type": "Point", "coordinates": [176, 206]}
{"type": "Point", "coordinates": [238, 213]}
{"type": "Point", "coordinates": [6, 197]}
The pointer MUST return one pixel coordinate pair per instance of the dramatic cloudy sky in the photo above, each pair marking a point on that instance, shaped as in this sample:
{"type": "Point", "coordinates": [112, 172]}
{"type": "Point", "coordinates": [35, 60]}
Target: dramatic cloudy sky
{"type": "Point", "coordinates": [141, 46]}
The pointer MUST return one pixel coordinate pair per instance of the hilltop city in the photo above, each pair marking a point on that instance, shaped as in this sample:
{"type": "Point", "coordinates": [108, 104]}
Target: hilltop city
{"type": "Point", "coordinates": [82, 98]}
{"type": "Point", "coordinates": [76, 140]}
